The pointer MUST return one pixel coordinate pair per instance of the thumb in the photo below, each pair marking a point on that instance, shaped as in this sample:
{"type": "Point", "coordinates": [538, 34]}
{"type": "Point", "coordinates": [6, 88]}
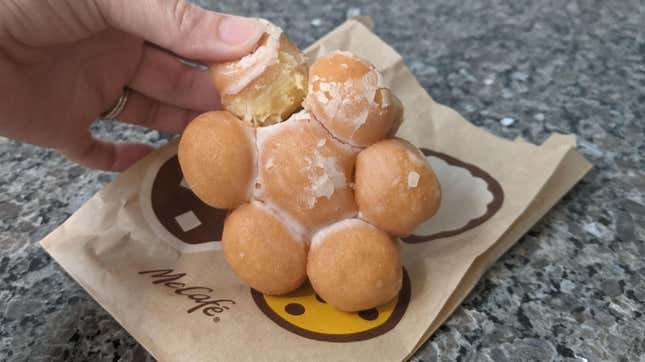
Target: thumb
{"type": "Point", "coordinates": [184, 28]}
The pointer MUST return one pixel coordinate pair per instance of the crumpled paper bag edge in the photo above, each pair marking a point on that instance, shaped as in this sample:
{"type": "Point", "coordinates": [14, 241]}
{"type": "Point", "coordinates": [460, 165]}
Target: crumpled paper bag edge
{"type": "Point", "coordinates": [577, 167]}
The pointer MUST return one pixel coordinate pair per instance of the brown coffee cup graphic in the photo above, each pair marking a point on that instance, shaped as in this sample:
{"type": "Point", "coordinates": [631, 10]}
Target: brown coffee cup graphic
{"type": "Point", "coordinates": [174, 213]}
{"type": "Point", "coordinates": [470, 196]}
{"type": "Point", "coordinates": [304, 313]}
{"type": "Point", "coordinates": [180, 211]}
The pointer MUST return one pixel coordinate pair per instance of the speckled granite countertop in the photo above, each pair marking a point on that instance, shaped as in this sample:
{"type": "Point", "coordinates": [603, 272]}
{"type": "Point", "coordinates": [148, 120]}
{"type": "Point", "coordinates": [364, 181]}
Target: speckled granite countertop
{"type": "Point", "coordinates": [572, 289]}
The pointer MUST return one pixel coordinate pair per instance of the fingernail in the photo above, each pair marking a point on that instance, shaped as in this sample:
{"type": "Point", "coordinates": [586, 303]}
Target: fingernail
{"type": "Point", "coordinates": [235, 30]}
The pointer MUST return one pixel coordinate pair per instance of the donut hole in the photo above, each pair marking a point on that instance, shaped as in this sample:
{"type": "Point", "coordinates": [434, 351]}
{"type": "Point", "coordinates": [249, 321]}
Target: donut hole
{"type": "Point", "coordinates": [396, 190]}
{"type": "Point", "coordinates": [354, 266]}
{"type": "Point", "coordinates": [347, 96]}
{"type": "Point", "coordinates": [305, 172]}
{"type": "Point", "coordinates": [216, 155]}
{"type": "Point", "coordinates": [263, 251]}
{"type": "Point", "coordinates": [272, 95]}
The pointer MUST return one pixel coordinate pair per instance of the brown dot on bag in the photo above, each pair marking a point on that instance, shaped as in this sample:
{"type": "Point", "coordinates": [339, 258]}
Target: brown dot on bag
{"type": "Point", "coordinates": [369, 315]}
{"type": "Point", "coordinates": [294, 309]}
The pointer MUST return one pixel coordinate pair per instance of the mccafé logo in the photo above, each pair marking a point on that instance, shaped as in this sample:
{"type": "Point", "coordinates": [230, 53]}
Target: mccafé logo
{"type": "Point", "coordinates": [200, 296]}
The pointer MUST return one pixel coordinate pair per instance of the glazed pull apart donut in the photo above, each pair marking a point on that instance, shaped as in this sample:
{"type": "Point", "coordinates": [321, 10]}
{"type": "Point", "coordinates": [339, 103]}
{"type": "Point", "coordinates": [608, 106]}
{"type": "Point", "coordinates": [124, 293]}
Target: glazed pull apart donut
{"type": "Point", "coordinates": [322, 195]}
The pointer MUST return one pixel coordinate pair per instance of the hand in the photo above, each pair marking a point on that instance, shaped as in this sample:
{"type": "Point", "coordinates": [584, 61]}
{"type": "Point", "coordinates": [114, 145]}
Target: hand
{"type": "Point", "coordinates": [64, 62]}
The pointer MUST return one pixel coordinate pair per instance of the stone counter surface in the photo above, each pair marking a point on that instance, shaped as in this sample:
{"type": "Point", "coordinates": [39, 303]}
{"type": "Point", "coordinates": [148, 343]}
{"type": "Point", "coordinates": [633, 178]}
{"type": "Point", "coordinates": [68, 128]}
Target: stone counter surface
{"type": "Point", "coordinates": [572, 289]}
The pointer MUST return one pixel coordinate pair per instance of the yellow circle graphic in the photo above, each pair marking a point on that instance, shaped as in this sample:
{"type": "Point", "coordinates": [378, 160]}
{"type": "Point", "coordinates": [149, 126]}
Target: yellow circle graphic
{"type": "Point", "coordinates": [304, 313]}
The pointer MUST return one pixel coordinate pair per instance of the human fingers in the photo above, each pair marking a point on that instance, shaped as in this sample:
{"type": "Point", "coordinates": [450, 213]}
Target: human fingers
{"type": "Point", "coordinates": [184, 28]}
{"type": "Point", "coordinates": [150, 113]}
{"type": "Point", "coordinates": [162, 76]}
{"type": "Point", "coordinates": [102, 155]}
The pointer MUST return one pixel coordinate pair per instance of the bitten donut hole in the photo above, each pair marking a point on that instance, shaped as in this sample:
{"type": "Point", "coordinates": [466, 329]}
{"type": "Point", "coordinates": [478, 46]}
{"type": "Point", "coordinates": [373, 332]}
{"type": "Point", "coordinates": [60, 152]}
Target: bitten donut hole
{"type": "Point", "coordinates": [266, 86]}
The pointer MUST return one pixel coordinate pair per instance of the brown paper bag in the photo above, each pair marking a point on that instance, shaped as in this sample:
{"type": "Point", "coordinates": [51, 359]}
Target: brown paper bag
{"type": "Point", "coordinates": [147, 249]}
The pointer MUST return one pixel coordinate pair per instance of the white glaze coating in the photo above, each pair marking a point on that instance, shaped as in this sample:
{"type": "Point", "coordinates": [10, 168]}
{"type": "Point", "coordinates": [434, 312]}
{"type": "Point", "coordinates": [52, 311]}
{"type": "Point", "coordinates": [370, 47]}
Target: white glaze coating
{"type": "Point", "coordinates": [323, 233]}
{"type": "Point", "coordinates": [325, 177]}
{"type": "Point", "coordinates": [262, 135]}
{"type": "Point", "coordinates": [386, 99]}
{"type": "Point", "coordinates": [414, 154]}
{"type": "Point", "coordinates": [413, 179]}
{"type": "Point", "coordinates": [294, 227]}
{"type": "Point", "coordinates": [324, 173]}
{"type": "Point", "coordinates": [251, 66]}
{"type": "Point", "coordinates": [250, 133]}
{"type": "Point", "coordinates": [339, 100]}
{"type": "Point", "coordinates": [322, 142]}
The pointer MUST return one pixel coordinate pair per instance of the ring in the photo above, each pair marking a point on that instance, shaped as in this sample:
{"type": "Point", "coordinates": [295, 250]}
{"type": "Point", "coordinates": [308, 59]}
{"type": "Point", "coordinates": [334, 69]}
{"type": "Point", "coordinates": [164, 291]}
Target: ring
{"type": "Point", "coordinates": [118, 107]}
